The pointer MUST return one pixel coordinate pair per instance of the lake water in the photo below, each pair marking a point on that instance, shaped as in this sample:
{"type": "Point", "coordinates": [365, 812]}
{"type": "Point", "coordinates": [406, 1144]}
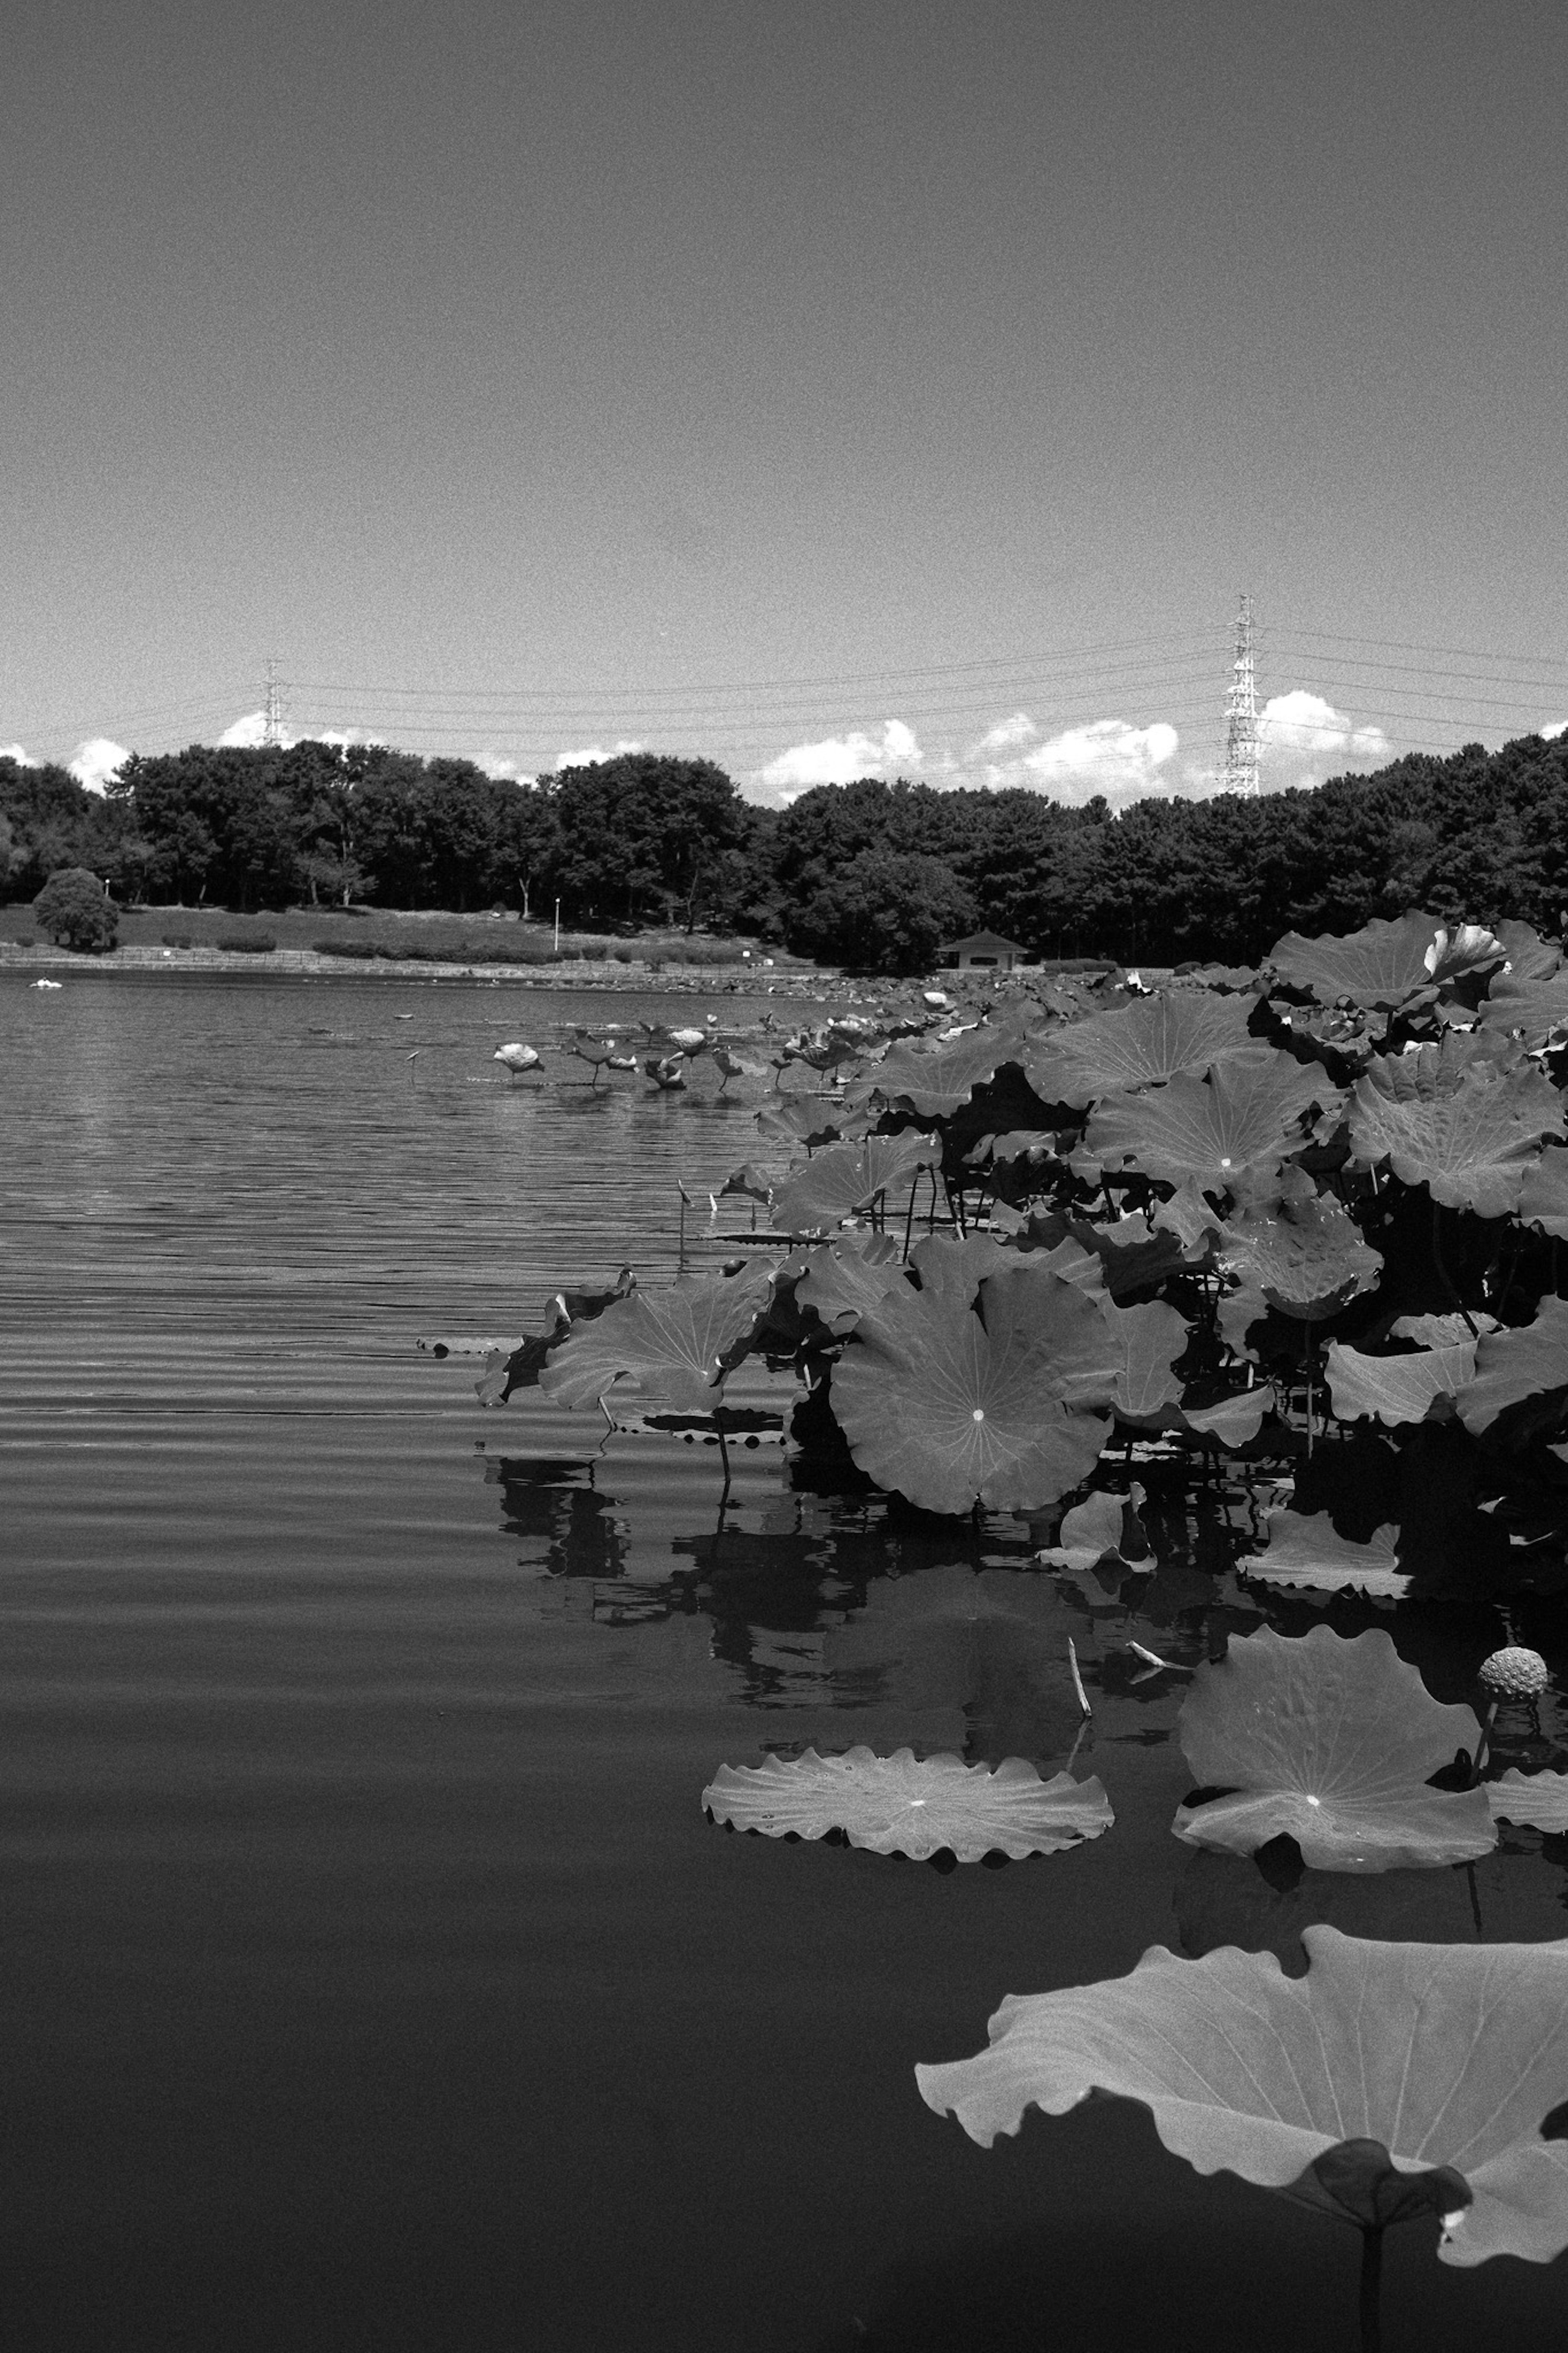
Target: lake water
{"type": "Point", "coordinates": [372, 1977]}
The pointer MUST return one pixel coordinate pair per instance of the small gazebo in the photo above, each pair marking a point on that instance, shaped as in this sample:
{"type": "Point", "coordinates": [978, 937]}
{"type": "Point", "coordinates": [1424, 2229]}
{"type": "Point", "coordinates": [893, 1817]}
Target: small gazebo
{"type": "Point", "coordinates": [986, 951]}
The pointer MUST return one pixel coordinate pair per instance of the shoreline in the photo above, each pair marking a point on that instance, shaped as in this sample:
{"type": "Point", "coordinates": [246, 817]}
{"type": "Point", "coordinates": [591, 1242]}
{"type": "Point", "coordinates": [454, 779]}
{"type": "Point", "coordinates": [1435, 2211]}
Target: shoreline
{"type": "Point", "coordinates": [308, 964]}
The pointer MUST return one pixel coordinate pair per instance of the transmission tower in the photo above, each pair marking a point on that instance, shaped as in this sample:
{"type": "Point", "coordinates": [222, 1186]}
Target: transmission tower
{"type": "Point", "coordinates": [1239, 770]}
{"type": "Point", "coordinates": [272, 716]}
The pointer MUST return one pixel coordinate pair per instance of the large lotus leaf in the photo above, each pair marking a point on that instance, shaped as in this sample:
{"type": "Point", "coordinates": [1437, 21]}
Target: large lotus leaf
{"type": "Point", "coordinates": [1539, 1799]}
{"type": "Point", "coordinates": [936, 1078]}
{"type": "Point", "coordinates": [1398, 1391]}
{"type": "Point", "coordinates": [1188, 1215]}
{"type": "Point", "coordinates": [842, 1279]}
{"type": "Point", "coordinates": [1225, 1422]}
{"type": "Point", "coordinates": [1330, 1743]}
{"type": "Point", "coordinates": [1141, 1046]}
{"type": "Point", "coordinates": [1133, 1253]}
{"type": "Point", "coordinates": [1530, 957]}
{"type": "Point", "coordinates": [955, 1265]}
{"type": "Point", "coordinates": [898, 1805]}
{"type": "Point", "coordinates": [1305, 1548]}
{"type": "Point", "coordinates": [845, 1178]}
{"type": "Point", "coordinates": [952, 1411]}
{"type": "Point", "coordinates": [1513, 1365]}
{"type": "Point", "coordinates": [1299, 1249]}
{"type": "Point", "coordinates": [1447, 2056]}
{"type": "Point", "coordinates": [671, 1344]}
{"type": "Point", "coordinates": [1380, 965]}
{"type": "Point", "coordinates": [1543, 1196]}
{"type": "Point", "coordinates": [1468, 1134]}
{"type": "Point", "coordinates": [1243, 1116]}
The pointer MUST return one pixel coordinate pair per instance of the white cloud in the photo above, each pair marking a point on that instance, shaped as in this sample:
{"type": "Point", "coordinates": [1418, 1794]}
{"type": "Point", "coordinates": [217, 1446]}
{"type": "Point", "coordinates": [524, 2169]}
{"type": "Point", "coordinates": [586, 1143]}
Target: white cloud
{"type": "Point", "coordinates": [1302, 739]}
{"type": "Point", "coordinates": [1558, 727]}
{"type": "Point", "coordinates": [247, 732]}
{"type": "Point", "coordinates": [93, 763]}
{"type": "Point", "coordinates": [1008, 733]}
{"type": "Point", "coordinates": [840, 759]}
{"type": "Point", "coordinates": [593, 752]}
{"type": "Point", "coordinates": [15, 752]}
{"type": "Point", "coordinates": [1106, 758]}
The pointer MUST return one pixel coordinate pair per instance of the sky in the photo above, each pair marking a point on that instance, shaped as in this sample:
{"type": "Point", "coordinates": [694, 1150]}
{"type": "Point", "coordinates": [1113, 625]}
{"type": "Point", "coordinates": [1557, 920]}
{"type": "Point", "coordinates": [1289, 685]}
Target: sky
{"type": "Point", "coordinates": [831, 388]}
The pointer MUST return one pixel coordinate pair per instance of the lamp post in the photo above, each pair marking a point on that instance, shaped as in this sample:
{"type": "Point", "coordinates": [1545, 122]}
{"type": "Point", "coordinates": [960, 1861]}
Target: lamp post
{"type": "Point", "coordinates": [558, 927]}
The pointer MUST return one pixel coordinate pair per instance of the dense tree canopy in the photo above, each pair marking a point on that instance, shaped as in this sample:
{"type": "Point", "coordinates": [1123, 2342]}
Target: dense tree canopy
{"type": "Point", "coordinates": [868, 870]}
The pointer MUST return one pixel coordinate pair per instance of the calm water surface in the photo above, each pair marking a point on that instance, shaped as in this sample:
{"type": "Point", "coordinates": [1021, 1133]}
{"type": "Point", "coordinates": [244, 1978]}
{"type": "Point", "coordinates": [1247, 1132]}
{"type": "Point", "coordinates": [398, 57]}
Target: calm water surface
{"type": "Point", "coordinates": [372, 1977]}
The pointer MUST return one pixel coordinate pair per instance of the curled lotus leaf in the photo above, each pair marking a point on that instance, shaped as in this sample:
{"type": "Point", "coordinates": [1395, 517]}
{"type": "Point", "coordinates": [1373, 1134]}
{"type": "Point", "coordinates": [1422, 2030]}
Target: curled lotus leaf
{"type": "Point", "coordinates": [1541, 1800]}
{"type": "Point", "coordinates": [1305, 1548]}
{"type": "Point", "coordinates": [1399, 1390]}
{"type": "Point", "coordinates": [1543, 1196]}
{"type": "Point", "coordinates": [1469, 1132]}
{"type": "Point", "coordinates": [841, 1279]}
{"type": "Point", "coordinates": [904, 1805]}
{"type": "Point", "coordinates": [1143, 1045]}
{"type": "Point", "coordinates": [1102, 1529]}
{"type": "Point", "coordinates": [936, 1078]}
{"type": "Point", "coordinates": [1380, 965]}
{"type": "Point", "coordinates": [1447, 2058]}
{"type": "Point", "coordinates": [1301, 1249]}
{"type": "Point", "coordinates": [952, 1404]}
{"type": "Point", "coordinates": [1330, 1742]}
{"type": "Point", "coordinates": [845, 1178]}
{"type": "Point", "coordinates": [1512, 1367]}
{"type": "Point", "coordinates": [671, 1344]}
{"type": "Point", "coordinates": [1246, 1115]}
{"type": "Point", "coordinates": [1229, 1422]}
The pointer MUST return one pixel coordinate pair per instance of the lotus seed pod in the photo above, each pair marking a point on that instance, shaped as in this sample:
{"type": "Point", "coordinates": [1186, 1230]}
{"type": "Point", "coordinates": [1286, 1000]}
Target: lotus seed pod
{"type": "Point", "coordinates": [1514, 1673]}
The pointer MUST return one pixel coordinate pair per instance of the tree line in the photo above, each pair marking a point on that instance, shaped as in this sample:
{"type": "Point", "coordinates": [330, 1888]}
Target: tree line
{"type": "Point", "coordinates": [871, 874]}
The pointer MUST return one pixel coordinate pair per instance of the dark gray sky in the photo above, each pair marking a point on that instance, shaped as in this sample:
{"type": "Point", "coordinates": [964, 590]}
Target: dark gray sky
{"type": "Point", "coordinates": [741, 378]}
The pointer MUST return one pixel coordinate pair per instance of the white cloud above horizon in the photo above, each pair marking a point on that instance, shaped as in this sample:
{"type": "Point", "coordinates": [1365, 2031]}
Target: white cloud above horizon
{"type": "Point", "coordinates": [95, 761]}
{"type": "Point", "coordinates": [590, 756]}
{"type": "Point", "coordinates": [841, 759]}
{"type": "Point", "coordinates": [18, 752]}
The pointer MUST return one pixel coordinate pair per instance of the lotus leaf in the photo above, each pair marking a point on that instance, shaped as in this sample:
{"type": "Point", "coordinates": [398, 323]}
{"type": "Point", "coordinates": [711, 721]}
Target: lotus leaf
{"type": "Point", "coordinates": [956, 1267]}
{"type": "Point", "coordinates": [1378, 966]}
{"type": "Point", "coordinates": [1397, 1390]}
{"type": "Point", "coordinates": [1190, 1218]}
{"type": "Point", "coordinates": [1306, 1549]}
{"type": "Point", "coordinates": [1243, 1116]}
{"type": "Point", "coordinates": [842, 1279]}
{"type": "Point", "coordinates": [1514, 1365]}
{"type": "Point", "coordinates": [672, 1344]}
{"type": "Point", "coordinates": [1133, 1253]}
{"type": "Point", "coordinates": [1543, 1196]}
{"type": "Point", "coordinates": [1330, 1742]}
{"type": "Point", "coordinates": [1225, 1421]}
{"type": "Point", "coordinates": [901, 1805]}
{"type": "Point", "coordinates": [1448, 2057]}
{"type": "Point", "coordinates": [1101, 1528]}
{"type": "Point", "coordinates": [1153, 1337]}
{"type": "Point", "coordinates": [1530, 957]}
{"type": "Point", "coordinates": [1138, 1047]}
{"type": "Point", "coordinates": [1535, 1011]}
{"type": "Point", "coordinates": [933, 1079]}
{"type": "Point", "coordinates": [1539, 1799]}
{"type": "Point", "coordinates": [1441, 1331]}
{"type": "Point", "coordinates": [1299, 1249]}
{"type": "Point", "coordinates": [1469, 1132]}
{"type": "Point", "coordinates": [846, 1178]}
{"type": "Point", "coordinates": [952, 1406]}
{"type": "Point", "coordinates": [1018, 1144]}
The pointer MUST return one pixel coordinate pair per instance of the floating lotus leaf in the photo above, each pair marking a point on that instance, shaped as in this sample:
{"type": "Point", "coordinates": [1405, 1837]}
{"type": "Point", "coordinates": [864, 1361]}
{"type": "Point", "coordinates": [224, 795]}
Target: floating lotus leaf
{"type": "Point", "coordinates": [1141, 1046]}
{"type": "Point", "coordinates": [1468, 1132]}
{"type": "Point", "coordinates": [937, 1079]}
{"type": "Point", "coordinates": [951, 1407]}
{"type": "Point", "coordinates": [671, 1344]}
{"type": "Point", "coordinates": [900, 1805]}
{"type": "Point", "coordinates": [842, 1279]}
{"type": "Point", "coordinates": [1383, 962]}
{"type": "Point", "coordinates": [1331, 1742]}
{"type": "Point", "coordinates": [1299, 1249]}
{"type": "Point", "coordinates": [1513, 1366]}
{"type": "Point", "coordinates": [1306, 1549]}
{"type": "Point", "coordinates": [846, 1178]}
{"type": "Point", "coordinates": [1448, 2058]}
{"type": "Point", "coordinates": [1543, 1196]}
{"type": "Point", "coordinates": [1539, 1799]}
{"type": "Point", "coordinates": [1245, 1115]}
{"type": "Point", "coordinates": [1398, 1391]}
{"type": "Point", "coordinates": [1101, 1528]}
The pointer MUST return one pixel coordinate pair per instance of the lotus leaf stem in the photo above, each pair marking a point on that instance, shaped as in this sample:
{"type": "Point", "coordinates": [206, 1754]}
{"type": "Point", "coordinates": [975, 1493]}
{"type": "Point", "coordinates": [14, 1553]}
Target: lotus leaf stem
{"type": "Point", "coordinates": [1077, 1678]}
{"type": "Point", "coordinates": [910, 1215]}
{"type": "Point", "coordinates": [1444, 1277]}
{"type": "Point", "coordinates": [1484, 1743]}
